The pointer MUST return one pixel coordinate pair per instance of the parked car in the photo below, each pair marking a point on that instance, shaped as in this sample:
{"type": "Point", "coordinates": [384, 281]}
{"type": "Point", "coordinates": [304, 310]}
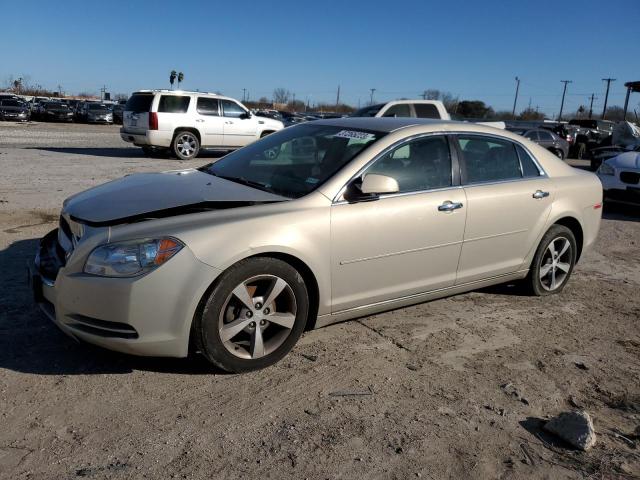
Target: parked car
{"type": "Point", "coordinates": [545, 138]}
{"type": "Point", "coordinates": [592, 134]}
{"type": "Point", "coordinates": [96, 112]}
{"type": "Point", "coordinates": [13, 109]}
{"type": "Point", "coordinates": [185, 122]}
{"type": "Point", "coordinates": [314, 224]}
{"type": "Point", "coordinates": [118, 112]}
{"type": "Point", "coordinates": [620, 177]}
{"type": "Point", "coordinates": [55, 111]}
{"type": "Point", "coordinates": [289, 118]}
{"type": "Point", "coordinates": [405, 108]}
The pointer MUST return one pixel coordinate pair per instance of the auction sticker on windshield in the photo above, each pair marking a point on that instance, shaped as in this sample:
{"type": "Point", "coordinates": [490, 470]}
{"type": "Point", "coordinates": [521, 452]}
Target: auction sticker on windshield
{"type": "Point", "coordinates": [355, 134]}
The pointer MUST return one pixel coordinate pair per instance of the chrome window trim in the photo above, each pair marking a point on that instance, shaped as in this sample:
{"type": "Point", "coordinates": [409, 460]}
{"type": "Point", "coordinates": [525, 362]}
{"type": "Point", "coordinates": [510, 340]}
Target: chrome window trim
{"type": "Point", "coordinates": [541, 170]}
{"type": "Point", "coordinates": [337, 200]}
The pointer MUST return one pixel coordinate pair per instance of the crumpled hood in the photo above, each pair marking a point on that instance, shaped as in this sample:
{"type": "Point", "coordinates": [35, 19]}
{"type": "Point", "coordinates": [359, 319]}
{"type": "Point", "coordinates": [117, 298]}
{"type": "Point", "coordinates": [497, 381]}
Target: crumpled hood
{"type": "Point", "coordinates": [629, 160]}
{"type": "Point", "coordinates": [153, 195]}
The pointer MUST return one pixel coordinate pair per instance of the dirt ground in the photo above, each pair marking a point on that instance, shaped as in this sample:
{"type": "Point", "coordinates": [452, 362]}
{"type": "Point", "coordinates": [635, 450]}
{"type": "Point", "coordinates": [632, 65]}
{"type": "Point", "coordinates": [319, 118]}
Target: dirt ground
{"type": "Point", "coordinates": [412, 393]}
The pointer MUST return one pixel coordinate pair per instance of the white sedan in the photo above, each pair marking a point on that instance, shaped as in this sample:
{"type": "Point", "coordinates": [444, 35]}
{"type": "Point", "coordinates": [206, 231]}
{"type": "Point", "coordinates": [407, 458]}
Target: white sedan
{"type": "Point", "coordinates": [620, 177]}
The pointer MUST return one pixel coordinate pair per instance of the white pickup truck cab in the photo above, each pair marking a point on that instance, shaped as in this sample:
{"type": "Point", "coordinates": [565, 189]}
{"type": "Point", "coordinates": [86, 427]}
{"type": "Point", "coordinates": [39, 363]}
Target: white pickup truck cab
{"type": "Point", "coordinates": [185, 122]}
{"type": "Point", "coordinates": [405, 108]}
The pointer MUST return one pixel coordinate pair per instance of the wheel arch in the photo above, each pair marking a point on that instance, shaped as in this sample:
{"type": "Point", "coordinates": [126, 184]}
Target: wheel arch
{"type": "Point", "coordinates": [574, 225]}
{"type": "Point", "coordinates": [187, 129]}
{"type": "Point", "coordinates": [305, 271]}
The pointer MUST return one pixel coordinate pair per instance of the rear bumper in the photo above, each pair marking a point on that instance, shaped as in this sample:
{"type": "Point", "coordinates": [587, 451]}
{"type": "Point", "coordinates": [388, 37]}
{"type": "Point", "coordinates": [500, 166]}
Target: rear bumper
{"type": "Point", "coordinates": [149, 315]}
{"type": "Point", "coordinates": [155, 138]}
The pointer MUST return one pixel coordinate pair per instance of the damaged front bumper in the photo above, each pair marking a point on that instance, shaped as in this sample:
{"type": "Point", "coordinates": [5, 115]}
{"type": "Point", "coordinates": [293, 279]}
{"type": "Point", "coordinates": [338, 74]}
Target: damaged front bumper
{"type": "Point", "coordinates": [148, 315]}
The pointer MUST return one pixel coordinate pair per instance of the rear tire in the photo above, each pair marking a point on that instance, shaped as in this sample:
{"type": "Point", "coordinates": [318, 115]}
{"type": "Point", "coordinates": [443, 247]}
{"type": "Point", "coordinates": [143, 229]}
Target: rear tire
{"type": "Point", "coordinates": [553, 262]}
{"type": "Point", "coordinates": [253, 316]}
{"type": "Point", "coordinates": [185, 145]}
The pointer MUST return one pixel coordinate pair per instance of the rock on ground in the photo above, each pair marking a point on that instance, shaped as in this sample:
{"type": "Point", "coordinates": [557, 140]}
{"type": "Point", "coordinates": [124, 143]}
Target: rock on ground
{"type": "Point", "coordinates": [575, 428]}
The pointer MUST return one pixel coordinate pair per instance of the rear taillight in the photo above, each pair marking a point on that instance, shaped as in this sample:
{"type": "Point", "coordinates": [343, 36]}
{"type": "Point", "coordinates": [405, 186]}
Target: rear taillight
{"type": "Point", "coordinates": [153, 121]}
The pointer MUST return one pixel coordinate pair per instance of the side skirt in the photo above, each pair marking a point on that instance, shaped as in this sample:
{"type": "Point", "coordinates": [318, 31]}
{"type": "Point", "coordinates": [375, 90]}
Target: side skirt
{"type": "Point", "coordinates": [362, 311]}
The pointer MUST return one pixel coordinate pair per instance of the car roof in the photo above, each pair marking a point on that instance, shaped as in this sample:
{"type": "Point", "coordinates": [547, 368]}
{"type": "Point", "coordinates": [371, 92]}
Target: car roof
{"type": "Point", "coordinates": [183, 92]}
{"type": "Point", "coordinates": [382, 124]}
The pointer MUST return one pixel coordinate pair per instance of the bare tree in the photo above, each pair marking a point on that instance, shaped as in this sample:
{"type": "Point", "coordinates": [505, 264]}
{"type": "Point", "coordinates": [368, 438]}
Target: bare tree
{"type": "Point", "coordinates": [281, 95]}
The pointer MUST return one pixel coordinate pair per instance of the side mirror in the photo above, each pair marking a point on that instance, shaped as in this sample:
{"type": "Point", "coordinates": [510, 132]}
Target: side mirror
{"type": "Point", "coordinates": [372, 183]}
{"type": "Point", "coordinates": [370, 187]}
{"type": "Point", "coordinates": [245, 115]}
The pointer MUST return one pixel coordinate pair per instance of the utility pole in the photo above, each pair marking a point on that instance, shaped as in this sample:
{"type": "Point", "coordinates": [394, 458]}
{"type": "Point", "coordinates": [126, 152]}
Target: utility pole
{"type": "Point", "coordinates": [564, 91]}
{"type": "Point", "coordinates": [424, 95]}
{"type": "Point", "coordinates": [515, 100]}
{"type": "Point", "coordinates": [591, 105]}
{"type": "Point", "coordinates": [59, 90]}
{"type": "Point", "coordinates": [338, 97]}
{"type": "Point", "coordinates": [244, 91]}
{"type": "Point", "coordinates": [372, 92]}
{"type": "Point", "coordinates": [606, 95]}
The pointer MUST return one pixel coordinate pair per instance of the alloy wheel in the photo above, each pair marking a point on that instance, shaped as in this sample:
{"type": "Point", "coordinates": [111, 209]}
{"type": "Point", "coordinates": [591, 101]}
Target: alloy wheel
{"type": "Point", "coordinates": [186, 144]}
{"type": "Point", "coordinates": [257, 317]}
{"type": "Point", "coordinates": [555, 264]}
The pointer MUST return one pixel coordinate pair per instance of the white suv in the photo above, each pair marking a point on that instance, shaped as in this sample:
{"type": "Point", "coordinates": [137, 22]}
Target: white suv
{"type": "Point", "coordinates": [185, 122]}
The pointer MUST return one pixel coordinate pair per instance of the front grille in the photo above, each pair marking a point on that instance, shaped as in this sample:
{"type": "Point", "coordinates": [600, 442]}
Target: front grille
{"type": "Point", "coordinates": [631, 178]}
{"type": "Point", "coordinates": [101, 328]}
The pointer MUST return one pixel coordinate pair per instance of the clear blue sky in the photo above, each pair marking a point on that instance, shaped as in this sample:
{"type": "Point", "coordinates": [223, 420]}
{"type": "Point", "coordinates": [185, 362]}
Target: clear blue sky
{"type": "Point", "coordinates": [470, 48]}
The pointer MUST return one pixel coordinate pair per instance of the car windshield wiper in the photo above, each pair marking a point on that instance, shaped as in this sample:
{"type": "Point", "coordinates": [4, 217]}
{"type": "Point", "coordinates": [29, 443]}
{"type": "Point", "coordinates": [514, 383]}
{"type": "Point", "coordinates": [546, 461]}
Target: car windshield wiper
{"type": "Point", "coordinates": [244, 181]}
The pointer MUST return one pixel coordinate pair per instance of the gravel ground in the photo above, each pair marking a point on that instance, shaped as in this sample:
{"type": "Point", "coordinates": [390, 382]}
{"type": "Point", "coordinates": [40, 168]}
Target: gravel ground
{"type": "Point", "coordinates": [423, 384]}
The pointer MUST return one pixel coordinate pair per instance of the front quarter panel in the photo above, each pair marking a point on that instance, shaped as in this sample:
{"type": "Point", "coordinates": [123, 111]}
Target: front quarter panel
{"type": "Point", "coordinates": [299, 228]}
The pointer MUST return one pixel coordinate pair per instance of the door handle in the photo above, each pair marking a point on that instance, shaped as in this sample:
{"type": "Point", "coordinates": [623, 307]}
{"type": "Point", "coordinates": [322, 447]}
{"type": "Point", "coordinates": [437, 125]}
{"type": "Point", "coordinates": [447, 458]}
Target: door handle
{"type": "Point", "coordinates": [199, 120]}
{"type": "Point", "coordinates": [449, 206]}
{"type": "Point", "coordinates": [540, 194]}
{"type": "Point", "coordinates": [229, 122]}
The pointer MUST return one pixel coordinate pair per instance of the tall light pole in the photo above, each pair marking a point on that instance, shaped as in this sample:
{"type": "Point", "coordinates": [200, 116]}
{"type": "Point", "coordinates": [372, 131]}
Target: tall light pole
{"type": "Point", "coordinates": [371, 98]}
{"type": "Point", "coordinates": [606, 95]}
{"type": "Point", "coordinates": [244, 91]}
{"type": "Point", "coordinates": [515, 100]}
{"type": "Point", "coordinates": [564, 91]}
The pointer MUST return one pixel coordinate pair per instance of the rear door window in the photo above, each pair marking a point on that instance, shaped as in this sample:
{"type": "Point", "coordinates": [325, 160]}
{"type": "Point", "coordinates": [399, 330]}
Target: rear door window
{"type": "Point", "coordinates": [488, 159]}
{"type": "Point", "coordinates": [399, 110]}
{"type": "Point", "coordinates": [174, 104]}
{"type": "Point", "coordinates": [545, 136]}
{"type": "Point", "coordinates": [232, 109]}
{"type": "Point", "coordinates": [208, 106]}
{"type": "Point", "coordinates": [138, 103]}
{"type": "Point", "coordinates": [426, 110]}
{"type": "Point", "coordinates": [529, 168]}
{"type": "Point", "coordinates": [532, 135]}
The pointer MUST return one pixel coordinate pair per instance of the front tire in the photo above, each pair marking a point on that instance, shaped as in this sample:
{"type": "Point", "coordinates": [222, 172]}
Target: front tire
{"type": "Point", "coordinates": [254, 315]}
{"type": "Point", "coordinates": [185, 145]}
{"type": "Point", "coordinates": [553, 262]}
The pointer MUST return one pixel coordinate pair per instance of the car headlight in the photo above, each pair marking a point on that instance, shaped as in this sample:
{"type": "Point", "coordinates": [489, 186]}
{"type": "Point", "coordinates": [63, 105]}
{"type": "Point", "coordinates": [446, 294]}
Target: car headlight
{"type": "Point", "coordinates": [132, 258]}
{"type": "Point", "coordinates": [606, 169]}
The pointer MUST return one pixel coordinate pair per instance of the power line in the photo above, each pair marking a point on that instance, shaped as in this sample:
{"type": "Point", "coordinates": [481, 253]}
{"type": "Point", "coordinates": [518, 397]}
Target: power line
{"type": "Point", "coordinates": [564, 91]}
{"type": "Point", "coordinates": [515, 100]}
{"type": "Point", "coordinates": [606, 95]}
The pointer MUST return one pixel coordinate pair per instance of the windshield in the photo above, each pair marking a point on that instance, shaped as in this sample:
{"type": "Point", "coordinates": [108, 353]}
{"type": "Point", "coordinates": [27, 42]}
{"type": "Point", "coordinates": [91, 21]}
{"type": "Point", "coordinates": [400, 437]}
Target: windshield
{"type": "Point", "coordinates": [369, 111]}
{"type": "Point", "coordinates": [294, 161]}
{"type": "Point", "coordinates": [97, 106]}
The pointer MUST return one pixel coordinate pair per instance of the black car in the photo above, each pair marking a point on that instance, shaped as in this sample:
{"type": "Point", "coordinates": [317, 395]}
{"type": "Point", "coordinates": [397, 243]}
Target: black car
{"type": "Point", "coordinates": [545, 138]}
{"type": "Point", "coordinates": [55, 112]}
{"type": "Point", "coordinates": [118, 112]}
{"type": "Point", "coordinates": [593, 134]}
{"type": "Point", "coordinates": [14, 109]}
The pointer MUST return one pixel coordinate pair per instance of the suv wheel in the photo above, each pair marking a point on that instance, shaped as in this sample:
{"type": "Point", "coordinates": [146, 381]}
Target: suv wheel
{"type": "Point", "coordinates": [185, 145]}
{"type": "Point", "coordinates": [253, 316]}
